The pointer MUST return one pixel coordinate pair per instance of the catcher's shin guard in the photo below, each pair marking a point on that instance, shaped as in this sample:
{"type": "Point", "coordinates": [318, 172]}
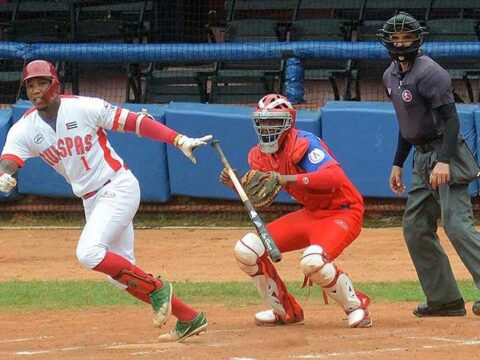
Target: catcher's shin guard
{"type": "Point", "coordinates": [337, 285]}
{"type": "Point", "coordinates": [252, 259]}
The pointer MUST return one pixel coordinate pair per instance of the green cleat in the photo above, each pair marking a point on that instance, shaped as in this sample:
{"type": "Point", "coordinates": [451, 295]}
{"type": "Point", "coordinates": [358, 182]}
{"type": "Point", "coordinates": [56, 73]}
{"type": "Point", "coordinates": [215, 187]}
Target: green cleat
{"type": "Point", "coordinates": [162, 304]}
{"type": "Point", "coordinates": [184, 330]}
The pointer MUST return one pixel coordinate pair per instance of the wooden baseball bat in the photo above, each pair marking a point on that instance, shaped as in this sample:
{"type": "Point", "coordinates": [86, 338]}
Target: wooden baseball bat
{"type": "Point", "coordinates": [265, 236]}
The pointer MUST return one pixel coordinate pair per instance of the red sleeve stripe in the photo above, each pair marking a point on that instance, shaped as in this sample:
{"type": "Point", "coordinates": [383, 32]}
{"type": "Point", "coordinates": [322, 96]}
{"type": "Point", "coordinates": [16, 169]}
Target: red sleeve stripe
{"type": "Point", "coordinates": [115, 119]}
{"type": "Point", "coordinates": [107, 153]}
{"type": "Point", "coordinates": [14, 158]}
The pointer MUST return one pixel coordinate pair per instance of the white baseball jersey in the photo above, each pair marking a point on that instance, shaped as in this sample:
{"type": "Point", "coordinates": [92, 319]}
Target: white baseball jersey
{"type": "Point", "coordinates": [78, 150]}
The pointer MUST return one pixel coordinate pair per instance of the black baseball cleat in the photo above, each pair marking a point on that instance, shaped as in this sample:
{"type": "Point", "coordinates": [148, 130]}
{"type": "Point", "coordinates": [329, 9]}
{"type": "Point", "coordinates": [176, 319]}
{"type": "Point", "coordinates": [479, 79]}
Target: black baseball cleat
{"type": "Point", "coordinates": [453, 308]}
{"type": "Point", "coordinates": [476, 308]}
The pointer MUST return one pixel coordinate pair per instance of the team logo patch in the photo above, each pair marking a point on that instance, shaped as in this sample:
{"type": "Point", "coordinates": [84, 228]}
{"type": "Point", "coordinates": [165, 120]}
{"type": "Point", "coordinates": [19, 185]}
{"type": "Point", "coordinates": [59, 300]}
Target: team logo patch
{"type": "Point", "coordinates": [316, 155]}
{"type": "Point", "coordinates": [407, 96]}
{"type": "Point", "coordinates": [38, 138]}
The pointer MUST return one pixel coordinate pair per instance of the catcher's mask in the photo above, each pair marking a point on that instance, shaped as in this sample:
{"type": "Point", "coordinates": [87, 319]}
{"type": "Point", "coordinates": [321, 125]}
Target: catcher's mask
{"type": "Point", "coordinates": [43, 69]}
{"type": "Point", "coordinates": [406, 24]}
{"type": "Point", "coordinates": [272, 117]}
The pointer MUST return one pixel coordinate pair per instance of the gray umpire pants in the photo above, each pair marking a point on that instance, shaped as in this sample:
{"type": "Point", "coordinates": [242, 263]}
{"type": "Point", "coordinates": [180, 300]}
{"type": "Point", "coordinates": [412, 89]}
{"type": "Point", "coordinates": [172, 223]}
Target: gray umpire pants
{"type": "Point", "coordinates": [425, 206]}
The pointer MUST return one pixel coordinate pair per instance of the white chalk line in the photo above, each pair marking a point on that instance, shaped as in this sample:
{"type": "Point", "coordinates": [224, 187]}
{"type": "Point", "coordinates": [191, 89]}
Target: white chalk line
{"type": "Point", "coordinates": [152, 347]}
{"type": "Point", "coordinates": [159, 227]}
{"type": "Point", "coordinates": [448, 343]}
{"type": "Point", "coordinates": [25, 339]}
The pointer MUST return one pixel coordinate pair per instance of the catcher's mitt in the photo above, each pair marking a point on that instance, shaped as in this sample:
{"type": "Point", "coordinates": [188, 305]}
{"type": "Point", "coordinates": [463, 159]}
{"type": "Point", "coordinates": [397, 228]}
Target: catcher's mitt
{"type": "Point", "coordinates": [262, 188]}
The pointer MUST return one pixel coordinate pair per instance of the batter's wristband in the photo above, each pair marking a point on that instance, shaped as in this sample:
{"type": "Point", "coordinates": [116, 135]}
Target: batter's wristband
{"type": "Point", "coordinates": [177, 139]}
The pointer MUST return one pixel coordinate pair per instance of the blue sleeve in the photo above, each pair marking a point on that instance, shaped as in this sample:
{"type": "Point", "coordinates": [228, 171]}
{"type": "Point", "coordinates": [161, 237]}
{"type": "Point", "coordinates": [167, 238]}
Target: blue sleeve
{"type": "Point", "coordinates": [316, 155]}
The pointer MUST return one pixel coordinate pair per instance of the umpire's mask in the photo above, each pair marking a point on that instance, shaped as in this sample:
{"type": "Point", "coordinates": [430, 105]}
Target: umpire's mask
{"type": "Point", "coordinates": [406, 24]}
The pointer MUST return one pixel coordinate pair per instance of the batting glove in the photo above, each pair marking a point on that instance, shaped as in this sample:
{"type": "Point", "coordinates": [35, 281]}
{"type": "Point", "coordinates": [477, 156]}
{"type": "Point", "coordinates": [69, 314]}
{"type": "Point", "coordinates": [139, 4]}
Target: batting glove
{"type": "Point", "coordinates": [187, 145]}
{"type": "Point", "coordinates": [7, 182]}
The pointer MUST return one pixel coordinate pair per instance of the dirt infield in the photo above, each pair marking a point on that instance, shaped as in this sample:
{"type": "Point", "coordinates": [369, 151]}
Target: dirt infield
{"type": "Point", "coordinates": [206, 255]}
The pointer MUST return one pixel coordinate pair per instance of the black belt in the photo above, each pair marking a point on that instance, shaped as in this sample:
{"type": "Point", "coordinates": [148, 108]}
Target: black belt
{"type": "Point", "coordinates": [424, 148]}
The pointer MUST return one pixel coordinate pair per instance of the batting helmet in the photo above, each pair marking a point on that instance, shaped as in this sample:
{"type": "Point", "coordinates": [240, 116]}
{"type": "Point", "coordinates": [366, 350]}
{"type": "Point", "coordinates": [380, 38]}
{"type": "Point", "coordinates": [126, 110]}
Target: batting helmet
{"type": "Point", "coordinates": [44, 69]}
{"type": "Point", "coordinates": [402, 23]}
{"type": "Point", "coordinates": [272, 107]}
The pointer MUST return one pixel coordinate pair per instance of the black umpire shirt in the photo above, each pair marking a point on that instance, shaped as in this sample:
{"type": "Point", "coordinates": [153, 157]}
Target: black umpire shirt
{"type": "Point", "coordinates": [415, 95]}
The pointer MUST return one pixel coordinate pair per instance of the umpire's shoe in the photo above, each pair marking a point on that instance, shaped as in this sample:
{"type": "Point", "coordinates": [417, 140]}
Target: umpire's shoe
{"type": "Point", "coordinates": [184, 330]}
{"type": "Point", "coordinates": [162, 304]}
{"type": "Point", "coordinates": [476, 308]}
{"type": "Point", "coordinates": [453, 308]}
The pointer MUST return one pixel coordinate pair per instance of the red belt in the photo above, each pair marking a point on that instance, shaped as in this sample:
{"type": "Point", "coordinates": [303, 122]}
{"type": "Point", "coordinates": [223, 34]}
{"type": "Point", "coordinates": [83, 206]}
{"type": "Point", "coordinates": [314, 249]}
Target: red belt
{"type": "Point", "coordinates": [91, 193]}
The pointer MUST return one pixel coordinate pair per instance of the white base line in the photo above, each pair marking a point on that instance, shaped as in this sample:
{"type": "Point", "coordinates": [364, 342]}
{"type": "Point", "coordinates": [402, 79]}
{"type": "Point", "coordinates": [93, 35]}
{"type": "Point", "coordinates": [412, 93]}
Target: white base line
{"type": "Point", "coordinates": [136, 228]}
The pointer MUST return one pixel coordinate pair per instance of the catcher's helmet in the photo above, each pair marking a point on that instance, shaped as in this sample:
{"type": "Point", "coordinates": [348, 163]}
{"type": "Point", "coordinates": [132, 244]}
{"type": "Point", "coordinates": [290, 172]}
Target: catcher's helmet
{"type": "Point", "coordinates": [402, 23]}
{"type": "Point", "coordinates": [44, 69]}
{"type": "Point", "coordinates": [272, 107]}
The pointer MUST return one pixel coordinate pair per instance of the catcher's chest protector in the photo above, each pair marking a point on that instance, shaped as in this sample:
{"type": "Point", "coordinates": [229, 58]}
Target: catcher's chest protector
{"type": "Point", "coordinates": [284, 161]}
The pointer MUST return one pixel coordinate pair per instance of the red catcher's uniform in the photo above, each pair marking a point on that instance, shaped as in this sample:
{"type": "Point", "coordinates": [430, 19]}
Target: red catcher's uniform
{"type": "Point", "coordinates": [333, 208]}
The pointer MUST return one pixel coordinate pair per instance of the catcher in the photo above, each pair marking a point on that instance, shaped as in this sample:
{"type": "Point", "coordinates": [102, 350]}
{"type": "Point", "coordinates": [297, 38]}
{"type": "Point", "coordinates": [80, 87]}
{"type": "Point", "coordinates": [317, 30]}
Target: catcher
{"type": "Point", "coordinates": [331, 219]}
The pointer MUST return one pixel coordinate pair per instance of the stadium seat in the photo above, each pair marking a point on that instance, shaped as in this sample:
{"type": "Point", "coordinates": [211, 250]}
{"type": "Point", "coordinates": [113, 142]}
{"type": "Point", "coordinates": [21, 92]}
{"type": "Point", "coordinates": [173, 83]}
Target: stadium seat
{"type": "Point", "coordinates": [10, 77]}
{"type": "Point", "coordinates": [338, 9]}
{"type": "Point", "coordinates": [443, 9]}
{"type": "Point", "coordinates": [114, 21]}
{"type": "Point", "coordinates": [165, 83]}
{"type": "Point", "coordinates": [279, 10]}
{"type": "Point", "coordinates": [370, 71]}
{"type": "Point", "coordinates": [30, 22]}
{"type": "Point", "coordinates": [463, 70]}
{"type": "Point", "coordinates": [331, 70]}
{"type": "Point", "coordinates": [385, 9]}
{"type": "Point", "coordinates": [247, 81]}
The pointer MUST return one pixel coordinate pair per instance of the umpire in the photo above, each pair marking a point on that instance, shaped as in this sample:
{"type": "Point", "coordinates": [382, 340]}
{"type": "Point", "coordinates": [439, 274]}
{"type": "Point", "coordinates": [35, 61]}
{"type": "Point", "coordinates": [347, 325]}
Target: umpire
{"type": "Point", "coordinates": [421, 93]}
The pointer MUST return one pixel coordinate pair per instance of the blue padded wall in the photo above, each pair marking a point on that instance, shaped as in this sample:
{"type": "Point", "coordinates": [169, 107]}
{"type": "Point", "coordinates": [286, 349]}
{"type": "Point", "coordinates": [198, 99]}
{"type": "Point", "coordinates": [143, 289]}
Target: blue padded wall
{"type": "Point", "coordinates": [5, 123]}
{"type": "Point", "coordinates": [146, 159]}
{"type": "Point", "coordinates": [363, 136]}
{"type": "Point", "coordinates": [232, 125]}
{"type": "Point", "coordinates": [36, 177]}
{"type": "Point", "coordinates": [469, 131]}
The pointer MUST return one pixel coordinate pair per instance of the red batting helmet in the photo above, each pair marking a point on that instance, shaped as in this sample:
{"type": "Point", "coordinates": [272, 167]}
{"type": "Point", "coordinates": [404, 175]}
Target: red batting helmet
{"type": "Point", "coordinates": [44, 69]}
{"type": "Point", "coordinates": [273, 107]}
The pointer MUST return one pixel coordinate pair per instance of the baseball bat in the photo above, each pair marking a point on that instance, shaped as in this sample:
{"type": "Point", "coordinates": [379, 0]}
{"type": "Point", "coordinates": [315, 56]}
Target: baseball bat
{"type": "Point", "coordinates": [265, 236]}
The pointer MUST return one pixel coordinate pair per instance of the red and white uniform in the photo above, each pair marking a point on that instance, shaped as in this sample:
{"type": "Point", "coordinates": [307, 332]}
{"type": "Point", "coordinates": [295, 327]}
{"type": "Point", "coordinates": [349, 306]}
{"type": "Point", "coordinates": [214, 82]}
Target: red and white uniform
{"type": "Point", "coordinates": [79, 150]}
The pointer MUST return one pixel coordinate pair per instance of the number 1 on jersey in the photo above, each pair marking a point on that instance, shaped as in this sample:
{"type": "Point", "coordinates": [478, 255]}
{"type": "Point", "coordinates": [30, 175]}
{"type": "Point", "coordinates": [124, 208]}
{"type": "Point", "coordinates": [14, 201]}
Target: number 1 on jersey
{"type": "Point", "coordinates": [85, 163]}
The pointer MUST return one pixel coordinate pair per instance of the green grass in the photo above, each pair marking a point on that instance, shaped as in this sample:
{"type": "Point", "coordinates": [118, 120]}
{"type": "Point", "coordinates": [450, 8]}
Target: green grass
{"type": "Point", "coordinates": [55, 295]}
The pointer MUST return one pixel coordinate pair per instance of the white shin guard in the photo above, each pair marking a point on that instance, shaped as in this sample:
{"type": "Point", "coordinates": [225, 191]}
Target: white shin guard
{"type": "Point", "coordinates": [248, 252]}
{"type": "Point", "coordinates": [269, 292]}
{"type": "Point", "coordinates": [337, 285]}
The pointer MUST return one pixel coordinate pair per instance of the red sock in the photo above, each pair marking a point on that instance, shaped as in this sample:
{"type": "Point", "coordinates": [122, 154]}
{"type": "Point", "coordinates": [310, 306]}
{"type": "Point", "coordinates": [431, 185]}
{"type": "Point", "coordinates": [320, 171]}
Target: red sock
{"type": "Point", "coordinates": [112, 264]}
{"type": "Point", "coordinates": [182, 311]}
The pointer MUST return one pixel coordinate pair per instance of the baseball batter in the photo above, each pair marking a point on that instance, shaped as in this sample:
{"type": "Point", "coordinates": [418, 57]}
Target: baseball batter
{"type": "Point", "coordinates": [421, 93]}
{"type": "Point", "coordinates": [329, 221]}
{"type": "Point", "coordinates": [68, 133]}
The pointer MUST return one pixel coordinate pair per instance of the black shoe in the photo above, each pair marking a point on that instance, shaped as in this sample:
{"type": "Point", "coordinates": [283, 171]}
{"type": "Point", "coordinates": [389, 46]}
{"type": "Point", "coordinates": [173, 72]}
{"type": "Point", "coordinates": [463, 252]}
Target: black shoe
{"type": "Point", "coordinates": [476, 308]}
{"type": "Point", "coordinates": [453, 308]}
